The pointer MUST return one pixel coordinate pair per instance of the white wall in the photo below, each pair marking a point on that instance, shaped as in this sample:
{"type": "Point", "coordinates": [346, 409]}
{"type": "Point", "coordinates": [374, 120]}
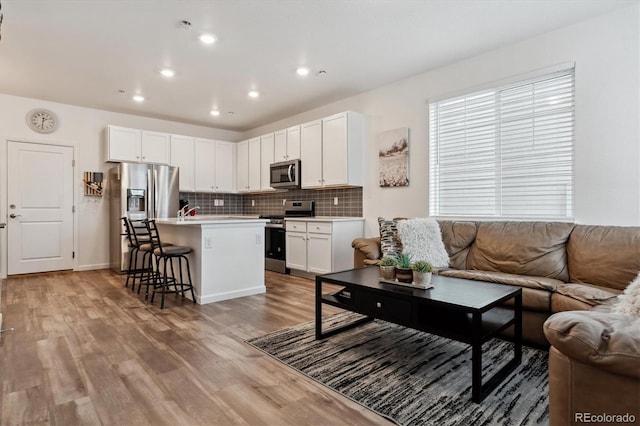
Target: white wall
{"type": "Point", "coordinates": [82, 128]}
{"type": "Point", "coordinates": [606, 52]}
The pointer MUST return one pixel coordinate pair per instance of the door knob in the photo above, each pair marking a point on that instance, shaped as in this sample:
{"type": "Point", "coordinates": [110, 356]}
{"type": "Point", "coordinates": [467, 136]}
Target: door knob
{"type": "Point", "coordinates": [13, 216]}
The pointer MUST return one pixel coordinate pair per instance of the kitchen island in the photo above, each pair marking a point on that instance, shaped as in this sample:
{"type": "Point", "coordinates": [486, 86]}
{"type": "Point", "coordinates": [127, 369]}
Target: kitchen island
{"type": "Point", "coordinates": [228, 254]}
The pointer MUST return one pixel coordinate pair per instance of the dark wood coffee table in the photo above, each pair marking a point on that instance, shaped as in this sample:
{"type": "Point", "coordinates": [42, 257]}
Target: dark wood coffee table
{"type": "Point", "coordinates": [463, 310]}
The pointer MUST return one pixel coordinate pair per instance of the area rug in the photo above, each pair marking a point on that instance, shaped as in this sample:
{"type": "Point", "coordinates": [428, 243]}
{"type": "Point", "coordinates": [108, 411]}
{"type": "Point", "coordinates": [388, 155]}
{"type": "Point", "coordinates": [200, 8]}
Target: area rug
{"type": "Point", "coordinates": [411, 377]}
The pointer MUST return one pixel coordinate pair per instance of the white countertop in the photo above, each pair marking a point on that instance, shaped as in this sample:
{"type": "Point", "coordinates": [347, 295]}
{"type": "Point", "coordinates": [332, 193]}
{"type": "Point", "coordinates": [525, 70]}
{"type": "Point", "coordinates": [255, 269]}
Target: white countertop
{"type": "Point", "coordinates": [324, 219]}
{"type": "Point", "coordinates": [211, 219]}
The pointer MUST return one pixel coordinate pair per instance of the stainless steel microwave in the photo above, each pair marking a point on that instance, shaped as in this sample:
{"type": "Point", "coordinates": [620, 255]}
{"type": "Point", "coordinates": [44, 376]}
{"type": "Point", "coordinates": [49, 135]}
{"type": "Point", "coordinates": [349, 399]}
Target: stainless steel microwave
{"type": "Point", "coordinates": [285, 175]}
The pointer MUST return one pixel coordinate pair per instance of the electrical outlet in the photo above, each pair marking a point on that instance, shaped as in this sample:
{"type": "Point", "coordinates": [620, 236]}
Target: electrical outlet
{"type": "Point", "coordinates": [284, 201]}
{"type": "Point", "coordinates": [253, 203]}
{"type": "Point", "coordinates": [335, 201]}
{"type": "Point", "coordinates": [216, 202]}
{"type": "Point", "coordinates": [258, 238]}
{"type": "Point", "coordinates": [222, 203]}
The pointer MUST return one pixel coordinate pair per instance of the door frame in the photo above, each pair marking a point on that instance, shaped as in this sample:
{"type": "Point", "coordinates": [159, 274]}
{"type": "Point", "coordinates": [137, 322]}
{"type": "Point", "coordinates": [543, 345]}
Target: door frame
{"type": "Point", "coordinates": [4, 193]}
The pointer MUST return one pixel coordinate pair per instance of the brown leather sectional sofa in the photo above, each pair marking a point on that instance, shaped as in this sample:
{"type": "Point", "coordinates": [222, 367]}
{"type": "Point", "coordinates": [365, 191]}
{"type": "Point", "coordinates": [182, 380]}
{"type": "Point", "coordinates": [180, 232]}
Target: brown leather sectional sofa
{"type": "Point", "coordinates": [560, 266]}
{"type": "Point", "coordinates": [571, 273]}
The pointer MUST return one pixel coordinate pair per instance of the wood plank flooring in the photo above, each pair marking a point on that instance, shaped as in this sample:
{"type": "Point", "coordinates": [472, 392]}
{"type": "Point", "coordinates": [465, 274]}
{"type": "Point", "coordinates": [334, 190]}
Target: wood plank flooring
{"type": "Point", "coordinates": [87, 351]}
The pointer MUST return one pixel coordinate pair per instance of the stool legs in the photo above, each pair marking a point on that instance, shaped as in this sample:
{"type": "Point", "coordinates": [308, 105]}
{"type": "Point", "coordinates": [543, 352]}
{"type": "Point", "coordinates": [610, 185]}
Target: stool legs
{"type": "Point", "coordinates": [163, 280]}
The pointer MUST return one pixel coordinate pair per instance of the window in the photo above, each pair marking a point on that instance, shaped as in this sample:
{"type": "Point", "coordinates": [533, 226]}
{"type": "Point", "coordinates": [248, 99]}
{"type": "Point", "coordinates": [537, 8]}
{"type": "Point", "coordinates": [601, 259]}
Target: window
{"type": "Point", "coordinates": [505, 152]}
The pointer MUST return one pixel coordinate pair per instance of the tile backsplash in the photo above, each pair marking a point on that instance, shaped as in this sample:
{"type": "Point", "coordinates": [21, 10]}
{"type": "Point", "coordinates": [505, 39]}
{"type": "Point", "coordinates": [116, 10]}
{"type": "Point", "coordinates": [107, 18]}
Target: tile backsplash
{"type": "Point", "coordinates": [349, 202]}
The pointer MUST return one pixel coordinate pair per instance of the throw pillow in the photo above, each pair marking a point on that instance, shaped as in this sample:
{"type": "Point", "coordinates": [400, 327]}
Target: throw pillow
{"type": "Point", "coordinates": [422, 239]}
{"type": "Point", "coordinates": [390, 244]}
{"type": "Point", "coordinates": [629, 300]}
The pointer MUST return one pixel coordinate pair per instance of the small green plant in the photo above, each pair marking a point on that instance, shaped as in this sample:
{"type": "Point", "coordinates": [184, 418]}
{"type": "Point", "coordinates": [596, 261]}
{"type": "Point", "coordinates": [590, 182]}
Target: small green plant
{"type": "Point", "coordinates": [422, 266]}
{"type": "Point", "coordinates": [404, 260]}
{"type": "Point", "coordinates": [388, 261]}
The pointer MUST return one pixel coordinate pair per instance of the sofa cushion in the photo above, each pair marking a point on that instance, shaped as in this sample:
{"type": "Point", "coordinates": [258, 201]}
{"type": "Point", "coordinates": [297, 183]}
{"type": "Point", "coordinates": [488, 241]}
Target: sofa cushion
{"type": "Point", "coordinates": [539, 283]}
{"type": "Point", "coordinates": [522, 248]}
{"type": "Point", "coordinates": [536, 292]}
{"type": "Point", "coordinates": [603, 340]}
{"type": "Point", "coordinates": [561, 303]}
{"type": "Point", "coordinates": [608, 256]}
{"type": "Point", "coordinates": [590, 294]}
{"type": "Point", "coordinates": [457, 238]}
{"type": "Point", "coordinates": [422, 239]}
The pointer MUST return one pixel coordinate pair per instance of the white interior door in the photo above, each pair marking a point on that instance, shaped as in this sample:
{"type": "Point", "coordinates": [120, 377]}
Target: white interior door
{"type": "Point", "coordinates": [40, 200]}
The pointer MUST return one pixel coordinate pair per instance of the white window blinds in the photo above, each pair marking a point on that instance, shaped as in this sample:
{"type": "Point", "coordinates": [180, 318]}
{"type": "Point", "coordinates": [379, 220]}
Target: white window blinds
{"type": "Point", "coordinates": [505, 152]}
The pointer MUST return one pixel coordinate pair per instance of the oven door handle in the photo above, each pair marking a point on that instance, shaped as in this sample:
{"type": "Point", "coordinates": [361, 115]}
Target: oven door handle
{"type": "Point", "coordinates": [274, 226]}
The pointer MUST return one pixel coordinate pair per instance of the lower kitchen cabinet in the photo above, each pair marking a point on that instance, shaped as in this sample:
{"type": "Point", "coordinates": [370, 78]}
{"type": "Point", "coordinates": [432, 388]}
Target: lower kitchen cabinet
{"type": "Point", "coordinates": [320, 246]}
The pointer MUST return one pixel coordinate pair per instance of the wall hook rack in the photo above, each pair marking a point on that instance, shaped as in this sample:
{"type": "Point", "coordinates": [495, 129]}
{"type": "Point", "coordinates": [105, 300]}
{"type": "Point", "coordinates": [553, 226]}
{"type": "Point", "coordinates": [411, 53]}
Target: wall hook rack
{"type": "Point", "coordinates": [93, 183]}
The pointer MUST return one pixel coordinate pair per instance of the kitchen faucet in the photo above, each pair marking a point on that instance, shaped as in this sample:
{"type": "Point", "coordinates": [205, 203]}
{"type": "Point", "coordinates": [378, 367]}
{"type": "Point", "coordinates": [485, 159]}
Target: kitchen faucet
{"type": "Point", "coordinates": [182, 213]}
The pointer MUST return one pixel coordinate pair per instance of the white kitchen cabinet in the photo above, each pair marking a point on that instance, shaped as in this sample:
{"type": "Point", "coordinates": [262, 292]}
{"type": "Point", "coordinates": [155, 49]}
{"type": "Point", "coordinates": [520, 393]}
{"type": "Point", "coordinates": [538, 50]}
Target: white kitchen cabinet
{"type": "Point", "coordinates": [242, 166]}
{"type": "Point", "coordinates": [248, 165]}
{"type": "Point", "coordinates": [296, 250]}
{"type": "Point", "coordinates": [136, 146]}
{"type": "Point", "coordinates": [311, 154]}
{"type": "Point", "coordinates": [266, 158]}
{"type": "Point", "coordinates": [319, 246]}
{"type": "Point", "coordinates": [214, 166]}
{"type": "Point", "coordinates": [337, 160]}
{"type": "Point", "coordinates": [155, 147]}
{"type": "Point", "coordinates": [287, 144]}
{"type": "Point", "coordinates": [182, 156]}
{"type": "Point", "coordinates": [254, 164]}
{"type": "Point", "coordinates": [225, 160]}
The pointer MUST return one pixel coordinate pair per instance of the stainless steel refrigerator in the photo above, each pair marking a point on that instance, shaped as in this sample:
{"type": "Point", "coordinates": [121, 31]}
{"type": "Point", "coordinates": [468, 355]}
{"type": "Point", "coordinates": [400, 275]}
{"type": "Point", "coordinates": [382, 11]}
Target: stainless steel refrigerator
{"type": "Point", "coordinates": [139, 191]}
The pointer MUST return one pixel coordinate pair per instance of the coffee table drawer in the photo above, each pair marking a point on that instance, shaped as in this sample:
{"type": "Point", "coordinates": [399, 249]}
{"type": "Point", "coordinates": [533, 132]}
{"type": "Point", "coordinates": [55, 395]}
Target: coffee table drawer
{"type": "Point", "coordinates": [383, 306]}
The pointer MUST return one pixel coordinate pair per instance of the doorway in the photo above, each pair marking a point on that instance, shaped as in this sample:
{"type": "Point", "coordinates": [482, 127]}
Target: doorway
{"type": "Point", "coordinates": [39, 207]}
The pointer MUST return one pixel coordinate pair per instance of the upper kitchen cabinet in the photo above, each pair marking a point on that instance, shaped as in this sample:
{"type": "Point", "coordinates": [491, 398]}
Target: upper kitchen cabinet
{"type": "Point", "coordinates": [266, 158]}
{"type": "Point", "coordinates": [183, 156]}
{"type": "Point", "coordinates": [311, 154]}
{"type": "Point", "coordinates": [331, 151]}
{"type": "Point", "coordinates": [136, 146]}
{"type": "Point", "coordinates": [287, 144]}
{"type": "Point", "coordinates": [213, 166]}
{"type": "Point", "coordinates": [248, 165]}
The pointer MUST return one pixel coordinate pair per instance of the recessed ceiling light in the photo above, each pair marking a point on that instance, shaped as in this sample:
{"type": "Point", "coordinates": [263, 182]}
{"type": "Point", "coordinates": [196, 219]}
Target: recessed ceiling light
{"type": "Point", "coordinates": [207, 38]}
{"type": "Point", "coordinates": [138, 98]}
{"type": "Point", "coordinates": [303, 71]}
{"type": "Point", "coordinates": [166, 72]}
{"type": "Point", "coordinates": [215, 112]}
{"type": "Point", "coordinates": [254, 94]}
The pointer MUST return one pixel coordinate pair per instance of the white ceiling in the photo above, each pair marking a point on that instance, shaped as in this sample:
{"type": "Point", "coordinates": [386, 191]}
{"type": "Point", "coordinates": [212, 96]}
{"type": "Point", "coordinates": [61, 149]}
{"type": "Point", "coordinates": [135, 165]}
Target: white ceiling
{"type": "Point", "coordinates": [82, 52]}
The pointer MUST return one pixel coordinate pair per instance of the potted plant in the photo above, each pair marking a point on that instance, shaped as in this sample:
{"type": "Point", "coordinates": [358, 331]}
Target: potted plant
{"type": "Point", "coordinates": [388, 267]}
{"type": "Point", "coordinates": [422, 271]}
{"type": "Point", "coordinates": [404, 273]}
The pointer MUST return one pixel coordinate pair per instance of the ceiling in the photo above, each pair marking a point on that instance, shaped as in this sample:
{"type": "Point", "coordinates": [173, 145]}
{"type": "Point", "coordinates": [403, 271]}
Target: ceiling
{"type": "Point", "coordinates": [84, 52]}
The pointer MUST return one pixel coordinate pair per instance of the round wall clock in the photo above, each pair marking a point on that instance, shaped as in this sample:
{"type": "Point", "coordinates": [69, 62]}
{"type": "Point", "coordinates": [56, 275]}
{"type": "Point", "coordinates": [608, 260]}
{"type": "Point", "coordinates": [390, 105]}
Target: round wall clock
{"type": "Point", "coordinates": [42, 120]}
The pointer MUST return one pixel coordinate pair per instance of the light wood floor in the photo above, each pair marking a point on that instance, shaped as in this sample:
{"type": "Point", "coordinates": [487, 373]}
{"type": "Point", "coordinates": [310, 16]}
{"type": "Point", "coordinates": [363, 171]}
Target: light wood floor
{"type": "Point", "coordinates": [85, 350]}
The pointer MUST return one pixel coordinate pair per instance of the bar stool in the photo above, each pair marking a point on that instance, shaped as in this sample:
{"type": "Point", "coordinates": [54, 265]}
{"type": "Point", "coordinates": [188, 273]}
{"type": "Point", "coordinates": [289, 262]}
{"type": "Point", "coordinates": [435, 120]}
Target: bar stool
{"type": "Point", "coordinates": [145, 245]}
{"type": "Point", "coordinates": [164, 254]}
{"type": "Point", "coordinates": [134, 249]}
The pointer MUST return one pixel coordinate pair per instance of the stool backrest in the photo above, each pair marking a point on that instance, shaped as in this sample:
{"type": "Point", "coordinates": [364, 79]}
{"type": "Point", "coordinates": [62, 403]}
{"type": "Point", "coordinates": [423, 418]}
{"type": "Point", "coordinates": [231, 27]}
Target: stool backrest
{"type": "Point", "coordinates": [154, 234]}
{"type": "Point", "coordinates": [127, 227]}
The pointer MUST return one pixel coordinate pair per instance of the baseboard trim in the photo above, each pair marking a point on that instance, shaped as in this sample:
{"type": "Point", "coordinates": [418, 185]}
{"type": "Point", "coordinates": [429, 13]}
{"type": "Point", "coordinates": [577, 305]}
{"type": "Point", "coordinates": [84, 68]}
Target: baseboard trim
{"type": "Point", "coordinates": [217, 297]}
{"type": "Point", "coordinates": [93, 267]}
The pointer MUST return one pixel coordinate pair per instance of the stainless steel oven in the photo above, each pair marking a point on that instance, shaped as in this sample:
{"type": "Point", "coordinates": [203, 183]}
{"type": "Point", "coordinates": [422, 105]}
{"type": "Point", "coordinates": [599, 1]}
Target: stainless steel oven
{"type": "Point", "coordinates": [275, 239]}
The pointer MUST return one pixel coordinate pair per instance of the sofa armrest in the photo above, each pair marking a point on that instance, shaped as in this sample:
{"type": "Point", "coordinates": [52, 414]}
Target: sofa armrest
{"type": "Point", "coordinates": [603, 340]}
{"type": "Point", "coordinates": [365, 249]}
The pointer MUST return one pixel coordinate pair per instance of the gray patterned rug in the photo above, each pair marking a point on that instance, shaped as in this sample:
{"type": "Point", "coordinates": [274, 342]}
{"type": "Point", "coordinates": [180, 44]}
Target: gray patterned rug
{"type": "Point", "coordinates": [411, 377]}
